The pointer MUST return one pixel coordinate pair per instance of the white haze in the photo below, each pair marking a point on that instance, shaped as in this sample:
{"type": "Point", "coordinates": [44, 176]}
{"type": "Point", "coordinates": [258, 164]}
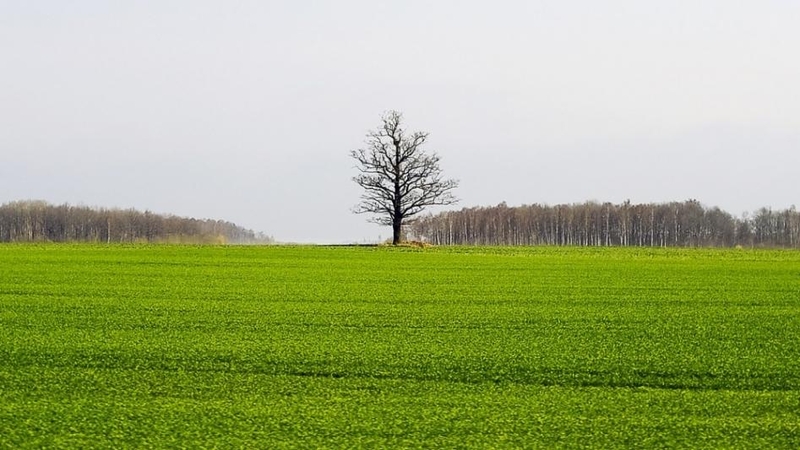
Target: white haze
{"type": "Point", "coordinates": [246, 110]}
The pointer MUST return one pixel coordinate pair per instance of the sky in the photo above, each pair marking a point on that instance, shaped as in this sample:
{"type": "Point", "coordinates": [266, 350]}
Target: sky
{"type": "Point", "coordinates": [246, 111]}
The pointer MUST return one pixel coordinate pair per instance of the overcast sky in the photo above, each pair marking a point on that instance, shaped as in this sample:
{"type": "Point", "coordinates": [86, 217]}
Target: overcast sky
{"type": "Point", "coordinates": [246, 110]}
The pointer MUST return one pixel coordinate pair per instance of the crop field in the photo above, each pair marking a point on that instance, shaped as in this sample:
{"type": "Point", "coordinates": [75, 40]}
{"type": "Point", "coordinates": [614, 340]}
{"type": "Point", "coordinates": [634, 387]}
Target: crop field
{"type": "Point", "coordinates": [284, 347]}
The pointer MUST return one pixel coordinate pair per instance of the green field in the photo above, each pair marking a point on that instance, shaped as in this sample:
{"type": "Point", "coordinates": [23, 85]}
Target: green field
{"type": "Point", "coordinates": [270, 347]}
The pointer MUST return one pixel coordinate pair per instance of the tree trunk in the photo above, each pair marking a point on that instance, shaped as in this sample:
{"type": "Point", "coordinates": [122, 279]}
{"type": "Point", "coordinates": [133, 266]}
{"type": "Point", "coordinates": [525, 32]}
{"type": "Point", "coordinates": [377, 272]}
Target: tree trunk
{"type": "Point", "coordinates": [396, 231]}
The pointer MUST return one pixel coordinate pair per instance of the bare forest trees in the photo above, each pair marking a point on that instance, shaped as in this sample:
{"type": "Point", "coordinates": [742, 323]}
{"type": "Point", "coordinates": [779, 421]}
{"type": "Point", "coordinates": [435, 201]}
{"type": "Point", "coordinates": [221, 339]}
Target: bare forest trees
{"type": "Point", "coordinates": [399, 179]}
{"type": "Point", "coordinates": [675, 224]}
{"type": "Point", "coordinates": [38, 221]}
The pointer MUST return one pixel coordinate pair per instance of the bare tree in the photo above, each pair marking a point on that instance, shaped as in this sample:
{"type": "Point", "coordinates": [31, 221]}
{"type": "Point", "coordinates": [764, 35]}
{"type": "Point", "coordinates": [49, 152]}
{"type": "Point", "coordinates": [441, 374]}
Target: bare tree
{"type": "Point", "coordinates": [399, 179]}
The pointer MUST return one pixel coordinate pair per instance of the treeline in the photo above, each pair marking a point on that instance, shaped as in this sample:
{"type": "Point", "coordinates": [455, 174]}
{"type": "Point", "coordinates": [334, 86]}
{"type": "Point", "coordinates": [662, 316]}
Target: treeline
{"type": "Point", "coordinates": [38, 221]}
{"type": "Point", "coordinates": [676, 224]}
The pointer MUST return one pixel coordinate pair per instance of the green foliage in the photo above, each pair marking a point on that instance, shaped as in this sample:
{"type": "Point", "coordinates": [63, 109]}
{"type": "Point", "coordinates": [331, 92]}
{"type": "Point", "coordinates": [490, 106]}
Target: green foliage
{"type": "Point", "coordinates": [153, 346]}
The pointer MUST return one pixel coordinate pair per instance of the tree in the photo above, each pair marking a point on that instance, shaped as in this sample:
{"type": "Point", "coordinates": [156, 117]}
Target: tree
{"type": "Point", "coordinates": [399, 179]}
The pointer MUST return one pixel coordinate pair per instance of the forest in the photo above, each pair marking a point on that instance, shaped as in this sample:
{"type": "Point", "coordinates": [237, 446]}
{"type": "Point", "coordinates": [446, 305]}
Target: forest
{"type": "Point", "coordinates": [674, 224]}
{"type": "Point", "coordinates": [39, 221]}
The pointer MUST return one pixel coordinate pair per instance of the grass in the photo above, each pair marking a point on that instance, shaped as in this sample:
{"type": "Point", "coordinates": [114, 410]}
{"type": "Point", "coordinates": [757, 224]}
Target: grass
{"type": "Point", "coordinates": [283, 347]}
